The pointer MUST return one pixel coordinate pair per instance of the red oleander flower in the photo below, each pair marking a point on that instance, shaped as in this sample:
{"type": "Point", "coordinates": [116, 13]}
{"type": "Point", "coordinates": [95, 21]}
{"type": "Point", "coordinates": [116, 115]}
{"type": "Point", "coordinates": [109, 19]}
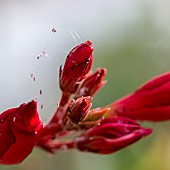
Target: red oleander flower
{"type": "Point", "coordinates": [92, 83]}
{"type": "Point", "coordinates": [20, 129]}
{"type": "Point", "coordinates": [73, 125]}
{"type": "Point", "coordinates": [79, 109]}
{"type": "Point", "coordinates": [150, 102]}
{"type": "Point", "coordinates": [77, 65]}
{"type": "Point", "coordinates": [111, 135]}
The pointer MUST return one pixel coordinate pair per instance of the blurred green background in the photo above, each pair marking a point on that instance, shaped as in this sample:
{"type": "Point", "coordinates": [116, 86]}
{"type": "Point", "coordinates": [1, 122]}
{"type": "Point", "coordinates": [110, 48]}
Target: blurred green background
{"type": "Point", "coordinates": [131, 39]}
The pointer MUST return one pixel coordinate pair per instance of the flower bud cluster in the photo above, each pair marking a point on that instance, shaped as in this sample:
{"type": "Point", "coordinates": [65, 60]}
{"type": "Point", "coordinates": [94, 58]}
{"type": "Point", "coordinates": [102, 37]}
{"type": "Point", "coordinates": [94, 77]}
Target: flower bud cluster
{"type": "Point", "coordinates": [74, 125]}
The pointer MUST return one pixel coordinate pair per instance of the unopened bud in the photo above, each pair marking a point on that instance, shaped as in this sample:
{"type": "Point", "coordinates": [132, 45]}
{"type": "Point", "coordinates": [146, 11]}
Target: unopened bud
{"type": "Point", "coordinates": [151, 102]}
{"type": "Point", "coordinates": [79, 109]}
{"type": "Point", "coordinates": [92, 83]}
{"type": "Point", "coordinates": [77, 65]}
{"type": "Point", "coordinates": [111, 135]}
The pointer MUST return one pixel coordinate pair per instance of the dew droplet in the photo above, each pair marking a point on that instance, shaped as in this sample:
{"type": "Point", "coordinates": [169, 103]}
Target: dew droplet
{"type": "Point", "coordinates": [35, 132]}
{"type": "Point", "coordinates": [14, 119]}
{"type": "Point", "coordinates": [32, 75]}
{"type": "Point", "coordinates": [54, 30]}
{"type": "Point", "coordinates": [43, 53]}
{"type": "Point", "coordinates": [58, 104]}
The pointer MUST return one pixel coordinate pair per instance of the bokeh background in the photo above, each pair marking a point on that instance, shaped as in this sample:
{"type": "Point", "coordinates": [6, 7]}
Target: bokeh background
{"type": "Point", "coordinates": [131, 39]}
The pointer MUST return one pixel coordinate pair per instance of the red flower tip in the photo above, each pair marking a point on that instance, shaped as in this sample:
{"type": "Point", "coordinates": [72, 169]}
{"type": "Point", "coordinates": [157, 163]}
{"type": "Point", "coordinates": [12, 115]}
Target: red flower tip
{"type": "Point", "coordinates": [89, 43]}
{"type": "Point", "coordinates": [146, 132]}
{"type": "Point", "coordinates": [79, 109]}
{"type": "Point", "coordinates": [20, 129]}
{"type": "Point", "coordinates": [111, 135]}
{"type": "Point", "coordinates": [77, 65]}
{"type": "Point", "coordinates": [92, 83]}
{"type": "Point", "coordinates": [150, 102]}
{"type": "Point", "coordinates": [26, 117]}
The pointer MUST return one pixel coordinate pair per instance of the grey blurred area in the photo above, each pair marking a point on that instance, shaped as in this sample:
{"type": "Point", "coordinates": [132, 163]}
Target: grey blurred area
{"type": "Point", "coordinates": [131, 39]}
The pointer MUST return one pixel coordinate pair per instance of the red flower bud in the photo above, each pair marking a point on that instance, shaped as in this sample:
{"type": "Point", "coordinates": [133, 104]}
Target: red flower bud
{"type": "Point", "coordinates": [77, 65]}
{"type": "Point", "coordinates": [20, 129]}
{"type": "Point", "coordinates": [111, 135]}
{"type": "Point", "coordinates": [92, 83]}
{"type": "Point", "coordinates": [79, 109]}
{"type": "Point", "coordinates": [150, 102]}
